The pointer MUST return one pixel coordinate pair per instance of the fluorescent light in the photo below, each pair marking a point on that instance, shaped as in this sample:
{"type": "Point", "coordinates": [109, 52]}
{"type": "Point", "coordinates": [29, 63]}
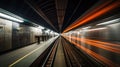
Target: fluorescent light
{"type": "Point", "coordinates": [47, 31]}
{"type": "Point", "coordinates": [51, 32]}
{"type": "Point", "coordinates": [41, 27]}
{"type": "Point", "coordinates": [97, 29]}
{"type": "Point", "coordinates": [87, 27]}
{"type": "Point", "coordinates": [9, 17]}
{"type": "Point", "coordinates": [110, 22]}
{"type": "Point", "coordinates": [56, 33]}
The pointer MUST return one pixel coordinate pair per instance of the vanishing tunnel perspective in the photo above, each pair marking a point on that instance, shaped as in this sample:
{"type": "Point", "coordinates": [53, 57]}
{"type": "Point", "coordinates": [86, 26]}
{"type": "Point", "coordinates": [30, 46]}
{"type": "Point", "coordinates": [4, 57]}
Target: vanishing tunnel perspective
{"type": "Point", "coordinates": [59, 33]}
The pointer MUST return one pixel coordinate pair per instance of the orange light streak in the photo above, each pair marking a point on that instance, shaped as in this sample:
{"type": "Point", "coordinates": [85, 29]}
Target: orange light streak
{"type": "Point", "coordinates": [105, 43]}
{"type": "Point", "coordinates": [95, 55]}
{"type": "Point", "coordinates": [106, 47]}
{"type": "Point", "coordinates": [96, 9]}
{"type": "Point", "coordinates": [95, 15]}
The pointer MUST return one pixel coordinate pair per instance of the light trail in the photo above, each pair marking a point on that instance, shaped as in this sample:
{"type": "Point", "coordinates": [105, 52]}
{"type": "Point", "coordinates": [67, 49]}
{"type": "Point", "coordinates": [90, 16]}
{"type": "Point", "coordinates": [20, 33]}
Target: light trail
{"type": "Point", "coordinates": [96, 9]}
{"type": "Point", "coordinates": [93, 16]}
{"type": "Point", "coordinates": [99, 45]}
{"type": "Point", "coordinates": [95, 55]}
{"type": "Point", "coordinates": [105, 43]}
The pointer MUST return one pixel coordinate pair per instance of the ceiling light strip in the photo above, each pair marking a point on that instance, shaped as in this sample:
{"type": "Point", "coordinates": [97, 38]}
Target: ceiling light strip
{"type": "Point", "coordinates": [10, 17]}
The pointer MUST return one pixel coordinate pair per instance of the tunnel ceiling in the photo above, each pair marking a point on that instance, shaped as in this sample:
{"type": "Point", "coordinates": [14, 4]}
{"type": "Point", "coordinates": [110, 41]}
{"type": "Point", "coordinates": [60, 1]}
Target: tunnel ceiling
{"type": "Point", "coordinates": [53, 14]}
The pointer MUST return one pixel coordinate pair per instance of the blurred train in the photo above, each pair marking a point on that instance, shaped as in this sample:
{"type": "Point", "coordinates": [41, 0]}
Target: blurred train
{"type": "Point", "coordinates": [100, 42]}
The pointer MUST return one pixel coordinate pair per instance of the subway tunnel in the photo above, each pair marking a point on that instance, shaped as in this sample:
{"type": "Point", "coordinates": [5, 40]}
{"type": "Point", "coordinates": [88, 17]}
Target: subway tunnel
{"type": "Point", "coordinates": [59, 33]}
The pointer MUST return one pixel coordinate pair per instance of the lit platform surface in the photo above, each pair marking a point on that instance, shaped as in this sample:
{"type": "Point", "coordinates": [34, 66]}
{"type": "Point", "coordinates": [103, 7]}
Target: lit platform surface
{"type": "Point", "coordinates": [24, 57]}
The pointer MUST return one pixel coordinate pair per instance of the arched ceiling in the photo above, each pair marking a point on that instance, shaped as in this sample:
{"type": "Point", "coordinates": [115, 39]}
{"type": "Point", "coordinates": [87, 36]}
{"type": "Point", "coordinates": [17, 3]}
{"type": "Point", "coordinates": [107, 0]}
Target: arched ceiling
{"type": "Point", "coordinates": [56, 15]}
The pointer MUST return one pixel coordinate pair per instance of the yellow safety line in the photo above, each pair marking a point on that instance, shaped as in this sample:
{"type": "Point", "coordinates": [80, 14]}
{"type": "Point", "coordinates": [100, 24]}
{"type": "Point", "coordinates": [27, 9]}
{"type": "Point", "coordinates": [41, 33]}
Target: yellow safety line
{"type": "Point", "coordinates": [23, 57]}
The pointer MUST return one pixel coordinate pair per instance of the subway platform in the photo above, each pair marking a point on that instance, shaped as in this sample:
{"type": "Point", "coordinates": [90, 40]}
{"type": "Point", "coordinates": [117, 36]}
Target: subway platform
{"type": "Point", "coordinates": [70, 33]}
{"type": "Point", "coordinates": [25, 56]}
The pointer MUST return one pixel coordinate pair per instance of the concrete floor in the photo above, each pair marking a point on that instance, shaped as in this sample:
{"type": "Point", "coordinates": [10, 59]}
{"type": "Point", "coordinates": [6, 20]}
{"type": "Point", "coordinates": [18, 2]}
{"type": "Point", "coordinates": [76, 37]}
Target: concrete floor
{"type": "Point", "coordinates": [23, 57]}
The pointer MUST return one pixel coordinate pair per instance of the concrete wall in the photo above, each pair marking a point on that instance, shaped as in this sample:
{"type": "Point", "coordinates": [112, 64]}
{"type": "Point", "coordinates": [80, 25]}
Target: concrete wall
{"type": "Point", "coordinates": [6, 33]}
{"type": "Point", "coordinates": [14, 35]}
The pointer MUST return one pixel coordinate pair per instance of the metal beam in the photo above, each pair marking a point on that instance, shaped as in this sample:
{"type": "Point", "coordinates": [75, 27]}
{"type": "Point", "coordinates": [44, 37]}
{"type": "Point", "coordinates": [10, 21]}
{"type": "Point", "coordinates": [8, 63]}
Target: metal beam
{"type": "Point", "coordinates": [40, 12]}
{"type": "Point", "coordinates": [61, 8]}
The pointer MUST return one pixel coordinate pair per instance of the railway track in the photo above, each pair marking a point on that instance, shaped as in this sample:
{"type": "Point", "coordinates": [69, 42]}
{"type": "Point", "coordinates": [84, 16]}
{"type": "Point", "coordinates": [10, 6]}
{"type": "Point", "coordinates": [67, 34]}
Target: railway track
{"type": "Point", "coordinates": [71, 59]}
{"type": "Point", "coordinates": [73, 56]}
{"type": "Point", "coordinates": [51, 56]}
